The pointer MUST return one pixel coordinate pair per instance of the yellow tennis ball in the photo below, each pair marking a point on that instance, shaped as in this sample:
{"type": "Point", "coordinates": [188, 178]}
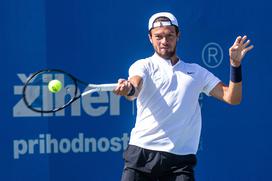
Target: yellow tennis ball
{"type": "Point", "coordinates": [54, 86]}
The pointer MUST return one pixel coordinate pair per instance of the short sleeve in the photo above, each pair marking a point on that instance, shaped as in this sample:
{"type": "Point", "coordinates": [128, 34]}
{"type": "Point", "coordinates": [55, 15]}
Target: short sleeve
{"type": "Point", "coordinates": [210, 81]}
{"type": "Point", "coordinates": [138, 68]}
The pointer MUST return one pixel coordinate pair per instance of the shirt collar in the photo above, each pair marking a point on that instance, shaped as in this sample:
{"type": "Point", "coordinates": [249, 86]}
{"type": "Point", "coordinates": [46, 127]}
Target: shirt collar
{"type": "Point", "coordinates": [163, 61]}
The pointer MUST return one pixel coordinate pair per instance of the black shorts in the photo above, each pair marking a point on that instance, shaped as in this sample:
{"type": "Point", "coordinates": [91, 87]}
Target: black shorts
{"type": "Point", "coordinates": [148, 165]}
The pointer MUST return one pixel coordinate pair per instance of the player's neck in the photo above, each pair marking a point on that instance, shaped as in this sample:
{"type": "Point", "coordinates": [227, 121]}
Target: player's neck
{"type": "Point", "coordinates": [174, 59]}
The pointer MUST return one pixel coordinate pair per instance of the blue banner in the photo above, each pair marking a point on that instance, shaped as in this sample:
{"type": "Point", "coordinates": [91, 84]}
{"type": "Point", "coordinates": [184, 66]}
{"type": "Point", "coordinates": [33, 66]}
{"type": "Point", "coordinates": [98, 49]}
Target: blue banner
{"type": "Point", "coordinates": [97, 41]}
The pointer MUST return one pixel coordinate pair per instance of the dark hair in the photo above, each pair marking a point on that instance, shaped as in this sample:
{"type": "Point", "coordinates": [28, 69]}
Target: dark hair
{"type": "Point", "coordinates": [162, 19]}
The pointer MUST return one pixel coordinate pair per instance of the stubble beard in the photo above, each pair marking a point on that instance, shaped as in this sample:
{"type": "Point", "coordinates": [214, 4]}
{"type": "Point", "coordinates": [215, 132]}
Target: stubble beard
{"type": "Point", "coordinates": [167, 55]}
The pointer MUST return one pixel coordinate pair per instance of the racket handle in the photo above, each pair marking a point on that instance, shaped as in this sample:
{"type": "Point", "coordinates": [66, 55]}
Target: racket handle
{"type": "Point", "coordinates": [104, 87]}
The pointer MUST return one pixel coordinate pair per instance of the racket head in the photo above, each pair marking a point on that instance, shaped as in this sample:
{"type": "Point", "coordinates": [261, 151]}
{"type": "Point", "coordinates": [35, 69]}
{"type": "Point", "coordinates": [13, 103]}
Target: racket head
{"type": "Point", "coordinates": [37, 96]}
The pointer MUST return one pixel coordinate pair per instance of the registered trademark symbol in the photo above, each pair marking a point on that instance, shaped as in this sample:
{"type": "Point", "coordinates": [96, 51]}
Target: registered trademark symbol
{"type": "Point", "coordinates": [212, 55]}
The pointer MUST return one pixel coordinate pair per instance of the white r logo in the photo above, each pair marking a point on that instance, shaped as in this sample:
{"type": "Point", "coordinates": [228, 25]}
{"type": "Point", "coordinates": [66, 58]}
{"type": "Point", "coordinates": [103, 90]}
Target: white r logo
{"type": "Point", "coordinates": [212, 55]}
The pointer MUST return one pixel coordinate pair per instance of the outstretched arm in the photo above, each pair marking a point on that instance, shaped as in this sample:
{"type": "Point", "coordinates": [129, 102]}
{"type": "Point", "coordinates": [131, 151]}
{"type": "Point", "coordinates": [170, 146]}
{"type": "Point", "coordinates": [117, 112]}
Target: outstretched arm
{"type": "Point", "coordinates": [232, 93]}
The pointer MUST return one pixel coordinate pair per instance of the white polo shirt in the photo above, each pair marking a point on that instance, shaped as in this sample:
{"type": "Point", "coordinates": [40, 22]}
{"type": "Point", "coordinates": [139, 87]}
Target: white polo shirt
{"type": "Point", "coordinates": [168, 112]}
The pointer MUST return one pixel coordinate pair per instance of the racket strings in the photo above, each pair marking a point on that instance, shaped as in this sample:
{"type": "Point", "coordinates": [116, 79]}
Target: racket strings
{"type": "Point", "coordinates": [38, 97]}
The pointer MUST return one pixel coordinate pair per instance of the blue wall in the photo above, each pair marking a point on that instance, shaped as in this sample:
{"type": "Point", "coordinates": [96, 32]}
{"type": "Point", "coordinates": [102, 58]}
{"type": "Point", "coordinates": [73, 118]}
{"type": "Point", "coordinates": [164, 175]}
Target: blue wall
{"type": "Point", "coordinates": [97, 41]}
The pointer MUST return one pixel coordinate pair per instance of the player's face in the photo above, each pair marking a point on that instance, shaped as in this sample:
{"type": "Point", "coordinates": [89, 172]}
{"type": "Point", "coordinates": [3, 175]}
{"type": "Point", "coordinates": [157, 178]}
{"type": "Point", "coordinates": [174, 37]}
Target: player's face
{"type": "Point", "coordinates": [164, 40]}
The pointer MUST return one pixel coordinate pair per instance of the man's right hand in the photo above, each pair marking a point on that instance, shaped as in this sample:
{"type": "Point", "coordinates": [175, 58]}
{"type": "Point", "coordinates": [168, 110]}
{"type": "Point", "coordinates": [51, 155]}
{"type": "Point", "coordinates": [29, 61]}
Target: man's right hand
{"type": "Point", "coordinates": [123, 88]}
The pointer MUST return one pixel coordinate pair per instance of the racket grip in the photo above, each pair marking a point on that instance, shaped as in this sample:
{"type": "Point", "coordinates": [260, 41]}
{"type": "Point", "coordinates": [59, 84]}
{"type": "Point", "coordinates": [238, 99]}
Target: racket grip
{"type": "Point", "coordinates": [106, 87]}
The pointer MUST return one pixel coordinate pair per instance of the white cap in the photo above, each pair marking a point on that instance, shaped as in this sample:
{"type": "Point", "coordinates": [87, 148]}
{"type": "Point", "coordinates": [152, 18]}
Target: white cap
{"type": "Point", "coordinates": [171, 17]}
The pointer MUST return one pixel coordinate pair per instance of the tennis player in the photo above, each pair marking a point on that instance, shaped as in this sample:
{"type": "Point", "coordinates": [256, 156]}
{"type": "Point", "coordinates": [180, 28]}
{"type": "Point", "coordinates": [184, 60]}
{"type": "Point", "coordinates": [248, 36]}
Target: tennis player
{"type": "Point", "coordinates": [164, 141]}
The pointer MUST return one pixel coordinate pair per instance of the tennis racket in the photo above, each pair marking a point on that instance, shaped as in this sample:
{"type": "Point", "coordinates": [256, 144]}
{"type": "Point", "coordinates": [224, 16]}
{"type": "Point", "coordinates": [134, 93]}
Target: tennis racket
{"type": "Point", "coordinates": [39, 98]}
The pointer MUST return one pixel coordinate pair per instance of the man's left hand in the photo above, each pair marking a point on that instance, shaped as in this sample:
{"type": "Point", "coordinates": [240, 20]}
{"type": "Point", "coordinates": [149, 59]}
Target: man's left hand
{"type": "Point", "coordinates": [238, 50]}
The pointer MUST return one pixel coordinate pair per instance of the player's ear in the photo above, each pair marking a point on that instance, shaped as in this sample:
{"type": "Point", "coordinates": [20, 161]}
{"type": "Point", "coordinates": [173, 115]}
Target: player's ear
{"type": "Point", "coordinates": [178, 36]}
{"type": "Point", "coordinates": [150, 38]}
